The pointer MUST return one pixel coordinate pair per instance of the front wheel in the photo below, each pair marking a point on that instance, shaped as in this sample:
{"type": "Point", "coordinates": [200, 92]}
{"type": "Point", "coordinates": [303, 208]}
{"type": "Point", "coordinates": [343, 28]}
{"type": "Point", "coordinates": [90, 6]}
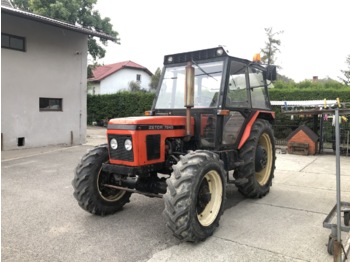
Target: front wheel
{"type": "Point", "coordinates": [195, 196]}
{"type": "Point", "coordinates": [89, 181]}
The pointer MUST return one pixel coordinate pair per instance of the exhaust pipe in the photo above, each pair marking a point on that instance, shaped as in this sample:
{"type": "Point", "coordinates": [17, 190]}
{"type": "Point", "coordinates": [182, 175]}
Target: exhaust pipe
{"type": "Point", "coordinates": [189, 98]}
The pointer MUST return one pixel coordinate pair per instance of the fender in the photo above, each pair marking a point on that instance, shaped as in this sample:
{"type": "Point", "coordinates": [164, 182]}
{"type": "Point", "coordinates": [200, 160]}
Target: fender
{"type": "Point", "coordinates": [248, 128]}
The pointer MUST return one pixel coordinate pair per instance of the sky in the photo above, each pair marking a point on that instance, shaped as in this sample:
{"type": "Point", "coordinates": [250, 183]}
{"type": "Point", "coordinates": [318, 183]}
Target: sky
{"type": "Point", "coordinates": [315, 39]}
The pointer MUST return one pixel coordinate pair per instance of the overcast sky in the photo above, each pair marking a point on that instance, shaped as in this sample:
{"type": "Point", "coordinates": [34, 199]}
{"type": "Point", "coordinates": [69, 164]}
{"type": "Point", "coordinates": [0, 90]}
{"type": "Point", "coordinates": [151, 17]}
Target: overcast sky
{"type": "Point", "coordinates": [315, 41]}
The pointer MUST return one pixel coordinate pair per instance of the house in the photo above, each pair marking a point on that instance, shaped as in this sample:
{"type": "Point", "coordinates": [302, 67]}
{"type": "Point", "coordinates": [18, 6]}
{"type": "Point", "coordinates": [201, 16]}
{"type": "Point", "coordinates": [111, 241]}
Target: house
{"type": "Point", "coordinates": [112, 78]}
{"type": "Point", "coordinates": [302, 141]}
{"type": "Point", "coordinates": [43, 80]}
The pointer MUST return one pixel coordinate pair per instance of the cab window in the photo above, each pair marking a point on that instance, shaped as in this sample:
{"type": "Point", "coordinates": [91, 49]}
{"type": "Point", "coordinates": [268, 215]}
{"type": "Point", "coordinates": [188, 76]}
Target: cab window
{"type": "Point", "coordinates": [258, 90]}
{"type": "Point", "coordinates": [237, 95]}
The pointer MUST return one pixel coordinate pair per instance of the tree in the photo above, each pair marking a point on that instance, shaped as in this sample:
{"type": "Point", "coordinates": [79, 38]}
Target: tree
{"type": "Point", "coordinates": [91, 68]}
{"type": "Point", "coordinates": [346, 73]}
{"type": "Point", "coordinates": [155, 80]}
{"type": "Point", "coordinates": [134, 86]}
{"type": "Point", "coordinates": [271, 47]}
{"type": "Point", "coordinates": [76, 12]}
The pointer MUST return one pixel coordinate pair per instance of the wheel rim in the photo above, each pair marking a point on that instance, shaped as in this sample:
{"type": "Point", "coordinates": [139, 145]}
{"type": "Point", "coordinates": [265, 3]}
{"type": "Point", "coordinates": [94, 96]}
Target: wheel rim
{"type": "Point", "coordinates": [108, 194]}
{"type": "Point", "coordinates": [263, 174]}
{"type": "Point", "coordinates": [209, 198]}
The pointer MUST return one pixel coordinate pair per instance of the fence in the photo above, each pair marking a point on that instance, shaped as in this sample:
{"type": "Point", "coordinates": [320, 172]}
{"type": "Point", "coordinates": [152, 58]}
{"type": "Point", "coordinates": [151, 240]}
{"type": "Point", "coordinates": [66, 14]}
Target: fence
{"type": "Point", "coordinates": [325, 131]}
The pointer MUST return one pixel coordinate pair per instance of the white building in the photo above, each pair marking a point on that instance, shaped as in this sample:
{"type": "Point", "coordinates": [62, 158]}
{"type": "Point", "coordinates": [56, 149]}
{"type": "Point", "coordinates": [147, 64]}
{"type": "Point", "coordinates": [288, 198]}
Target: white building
{"type": "Point", "coordinates": [116, 77]}
{"type": "Point", "coordinates": [43, 80]}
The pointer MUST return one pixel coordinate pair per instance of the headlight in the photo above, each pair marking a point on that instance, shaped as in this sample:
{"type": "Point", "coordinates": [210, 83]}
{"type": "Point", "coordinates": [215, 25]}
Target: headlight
{"type": "Point", "coordinates": [128, 144]}
{"type": "Point", "coordinates": [114, 143]}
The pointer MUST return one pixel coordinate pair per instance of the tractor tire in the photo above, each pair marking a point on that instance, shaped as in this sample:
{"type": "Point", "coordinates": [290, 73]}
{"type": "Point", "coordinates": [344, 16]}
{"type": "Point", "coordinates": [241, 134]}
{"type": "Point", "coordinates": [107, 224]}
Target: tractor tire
{"type": "Point", "coordinates": [88, 186]}
{"type": "Point", "coordinates": [258, 155]}
{"type": "Point", "coordinates": [195, 196]}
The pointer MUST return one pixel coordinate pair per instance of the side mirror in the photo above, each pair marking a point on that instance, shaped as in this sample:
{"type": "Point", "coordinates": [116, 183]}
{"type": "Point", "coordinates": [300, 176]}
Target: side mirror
{"type": "Point", "coordinates": [271, 72]}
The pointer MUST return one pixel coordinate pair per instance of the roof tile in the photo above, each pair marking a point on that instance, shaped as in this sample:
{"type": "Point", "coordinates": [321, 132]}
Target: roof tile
{"type": "Point", "coordinates": [102, 72]}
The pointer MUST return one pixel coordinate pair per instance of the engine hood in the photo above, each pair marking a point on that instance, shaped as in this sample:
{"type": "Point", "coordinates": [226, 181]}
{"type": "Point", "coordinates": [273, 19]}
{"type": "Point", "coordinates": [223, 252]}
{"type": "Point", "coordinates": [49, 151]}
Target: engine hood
{"type": "Point", "coordinates": [149, 123]}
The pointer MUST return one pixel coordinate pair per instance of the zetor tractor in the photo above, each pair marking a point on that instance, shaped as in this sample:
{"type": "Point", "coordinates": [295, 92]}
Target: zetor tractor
{"type": "Point", "coordinates": [210, 124]}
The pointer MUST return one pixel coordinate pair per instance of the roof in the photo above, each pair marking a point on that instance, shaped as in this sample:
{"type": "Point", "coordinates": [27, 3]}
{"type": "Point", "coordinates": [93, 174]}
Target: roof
{"type": "Point", "coordinates": [306, 130]}
{"type": "Point", "coordinates": [306, 103]}
{"type": "Point", "coordinates": [102, 72]}
{"type": "Point", "coordinates": [6, 9]}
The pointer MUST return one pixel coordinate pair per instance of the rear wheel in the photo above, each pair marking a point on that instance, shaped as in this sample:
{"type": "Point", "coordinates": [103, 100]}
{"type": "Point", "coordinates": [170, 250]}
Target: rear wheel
{"type": "Point", "coordinates": [330, 245]}
{"type": "Point", "coordinates": [195, 196]}
{"type": "Point", "coordinates": [258, 154]}
{"type": "Point", "coordinates": [89, 182]}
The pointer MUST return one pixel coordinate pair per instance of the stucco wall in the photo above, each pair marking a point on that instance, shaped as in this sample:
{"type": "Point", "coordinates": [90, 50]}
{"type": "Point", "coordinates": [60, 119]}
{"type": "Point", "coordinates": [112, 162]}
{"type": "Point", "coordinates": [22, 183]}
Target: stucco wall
{"type": "Point", "coordinates": [93, 88]}
{"type": "Point", "coordinates": [121, 79]}
{"type": "Point", "coordinates": [53, 66]}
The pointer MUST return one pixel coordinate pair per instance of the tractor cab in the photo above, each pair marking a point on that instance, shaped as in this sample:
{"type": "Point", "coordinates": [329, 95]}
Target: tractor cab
{"type": "Point", "coordinates": [226, 91]}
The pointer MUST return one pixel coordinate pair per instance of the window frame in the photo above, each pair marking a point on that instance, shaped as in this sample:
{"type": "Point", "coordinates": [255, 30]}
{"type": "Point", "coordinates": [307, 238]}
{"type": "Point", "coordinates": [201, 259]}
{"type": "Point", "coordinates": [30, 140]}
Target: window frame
{"type": "Point", "coordinates": [42, 109]}
{"type": "Point", "coordinates": [260, 98]}
{"type": "Point", "coordinates": [243, 101]}
{"type": "Point", "coordinates": [9, 43]}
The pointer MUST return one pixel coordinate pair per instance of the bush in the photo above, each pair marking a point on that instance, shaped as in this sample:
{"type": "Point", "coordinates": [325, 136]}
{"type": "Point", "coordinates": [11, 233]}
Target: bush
{"type": "Point", "coordinates": [121, 104]}
{"type": "Point", "coordinates": [294, 94]}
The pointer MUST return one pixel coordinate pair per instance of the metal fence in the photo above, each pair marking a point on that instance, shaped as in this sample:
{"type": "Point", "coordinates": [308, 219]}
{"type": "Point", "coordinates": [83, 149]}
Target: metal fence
{"type": "Point", "coordinates": [325, 131]}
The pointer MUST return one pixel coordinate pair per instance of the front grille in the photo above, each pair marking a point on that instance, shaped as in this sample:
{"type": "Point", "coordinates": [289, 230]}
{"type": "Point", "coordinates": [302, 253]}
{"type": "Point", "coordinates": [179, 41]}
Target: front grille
{"type": "Point", "coordinates": [120, 153]}
{"type": "Point", "coordinates": [153, 147]}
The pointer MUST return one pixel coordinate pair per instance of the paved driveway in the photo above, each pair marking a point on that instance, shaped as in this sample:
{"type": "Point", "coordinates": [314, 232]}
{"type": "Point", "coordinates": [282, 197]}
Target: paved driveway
{"type": "Point", "coordinates": [41, 220]}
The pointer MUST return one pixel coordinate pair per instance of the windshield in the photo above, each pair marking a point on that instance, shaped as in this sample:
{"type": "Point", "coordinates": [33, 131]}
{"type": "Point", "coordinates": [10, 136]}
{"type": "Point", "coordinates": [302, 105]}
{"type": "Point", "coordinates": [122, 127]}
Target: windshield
{"type": "Point", "coordinates": [207, 82]}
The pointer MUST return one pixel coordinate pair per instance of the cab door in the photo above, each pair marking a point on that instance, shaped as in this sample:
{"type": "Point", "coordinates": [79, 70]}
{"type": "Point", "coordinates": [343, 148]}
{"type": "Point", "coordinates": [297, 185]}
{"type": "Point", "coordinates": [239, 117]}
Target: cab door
{"type": "Point", "coordinates": [237, 101]}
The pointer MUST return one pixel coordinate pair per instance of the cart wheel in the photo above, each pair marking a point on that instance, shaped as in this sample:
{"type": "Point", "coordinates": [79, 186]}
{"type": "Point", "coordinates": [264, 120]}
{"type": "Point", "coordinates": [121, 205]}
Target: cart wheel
{"type": "Point", "coordinates": [330, 245]}
{"type": "Point", "coordinates": [346, 217]}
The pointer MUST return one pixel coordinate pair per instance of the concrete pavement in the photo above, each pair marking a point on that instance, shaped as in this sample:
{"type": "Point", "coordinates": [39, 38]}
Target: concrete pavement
{"type": "Point", "coordinates": [41, 221]}
{"type": "Point", "coordinates": [286, 225]}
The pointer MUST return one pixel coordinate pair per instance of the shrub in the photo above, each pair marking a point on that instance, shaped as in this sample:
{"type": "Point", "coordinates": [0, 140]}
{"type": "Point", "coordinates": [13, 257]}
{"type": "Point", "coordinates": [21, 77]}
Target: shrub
{"type": "Point", "coordinates": [121, 104]}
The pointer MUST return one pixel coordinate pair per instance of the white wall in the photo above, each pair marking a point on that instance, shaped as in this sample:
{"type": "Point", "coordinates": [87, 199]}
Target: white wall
{"type": "Point", "coordinates": [53, 66]}
{"type": "Point", "coordinates": [121, 79]}
{"type": "Point", "coordinates": [94, 88]}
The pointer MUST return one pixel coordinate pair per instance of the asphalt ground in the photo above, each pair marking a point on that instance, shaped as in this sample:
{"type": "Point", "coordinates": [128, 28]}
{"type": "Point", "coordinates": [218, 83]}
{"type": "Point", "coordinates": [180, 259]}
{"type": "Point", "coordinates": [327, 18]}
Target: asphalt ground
{"type": "Point", "coordinates": [41, 220]}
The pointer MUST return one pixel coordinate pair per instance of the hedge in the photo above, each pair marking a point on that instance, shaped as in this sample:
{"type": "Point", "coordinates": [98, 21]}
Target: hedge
{"type": "Point", "coordinates": [121, 104]}
{"type": "Point", "coordinates": [309, 94]}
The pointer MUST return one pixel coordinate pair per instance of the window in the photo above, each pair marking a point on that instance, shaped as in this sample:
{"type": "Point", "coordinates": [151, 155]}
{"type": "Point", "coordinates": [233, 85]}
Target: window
{"type": "Point", "coordinates": [13, 42]}
{"type": "Point", "coordinates": [138, 78]}
{"type": "Point", "coordinates": [207, 82]}
{"type": "Point", "coordinates": [50, 104]}
{"type": "Point", "coordinates": [237, 95]}
{"type": "Point", "coordinates": [258, 89]}
{"type": "Point", "coordinates": [20, 141]}
{"type": "Point", "coordinates": [233, 124]}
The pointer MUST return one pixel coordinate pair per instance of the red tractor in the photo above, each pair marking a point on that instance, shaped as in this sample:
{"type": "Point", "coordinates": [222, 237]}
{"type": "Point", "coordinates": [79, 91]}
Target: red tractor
{"type": "Point", "coordinates": [211, 115]}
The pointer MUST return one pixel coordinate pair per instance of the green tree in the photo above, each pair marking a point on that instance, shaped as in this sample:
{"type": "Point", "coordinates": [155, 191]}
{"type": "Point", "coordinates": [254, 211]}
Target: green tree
{"type": "Point", "coordinates": [75, 12]}
{"type": "Point", "coordinates": [155, 80]}
{"type": "Point", "coordinates": [271, 47]}
{"type": "Point", "coordinates": [346, 73]}
{"type": "Point", "coordinates": [91, 68]}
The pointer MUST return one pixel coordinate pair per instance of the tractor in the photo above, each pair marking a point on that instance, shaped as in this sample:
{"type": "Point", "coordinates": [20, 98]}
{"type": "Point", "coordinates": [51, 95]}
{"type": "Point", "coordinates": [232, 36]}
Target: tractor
{"type": "Point", "coordinates": [209, 126]}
